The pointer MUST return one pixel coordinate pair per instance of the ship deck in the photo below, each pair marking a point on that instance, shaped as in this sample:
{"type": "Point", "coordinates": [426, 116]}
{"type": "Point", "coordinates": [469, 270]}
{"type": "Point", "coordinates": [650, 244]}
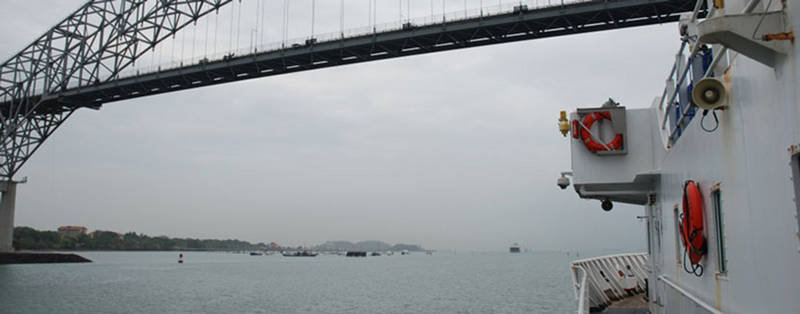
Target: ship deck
{"type": "Point", "coordinates": [631, 305]}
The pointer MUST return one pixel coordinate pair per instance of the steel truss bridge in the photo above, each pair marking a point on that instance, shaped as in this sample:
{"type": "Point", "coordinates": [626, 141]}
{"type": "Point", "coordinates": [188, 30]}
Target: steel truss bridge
{"type": "Point", "coordinates": [79, 62]}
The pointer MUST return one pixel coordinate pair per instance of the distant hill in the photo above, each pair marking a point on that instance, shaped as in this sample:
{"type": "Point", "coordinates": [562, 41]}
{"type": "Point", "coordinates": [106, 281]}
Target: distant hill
{"type": "Point", "coordinates": [26, 238]}
{"type": "Point", "coordinates": [365, 246]}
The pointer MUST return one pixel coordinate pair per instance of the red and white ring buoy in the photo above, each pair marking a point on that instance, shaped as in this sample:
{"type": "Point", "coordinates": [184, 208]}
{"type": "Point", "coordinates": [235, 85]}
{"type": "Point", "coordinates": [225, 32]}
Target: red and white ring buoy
{"type": "Point", "coordinates": [590, 143]}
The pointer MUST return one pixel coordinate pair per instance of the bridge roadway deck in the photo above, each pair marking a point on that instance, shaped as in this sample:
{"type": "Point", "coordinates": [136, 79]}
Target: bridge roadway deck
{"type": "Point", "coordinates": [411, 40]}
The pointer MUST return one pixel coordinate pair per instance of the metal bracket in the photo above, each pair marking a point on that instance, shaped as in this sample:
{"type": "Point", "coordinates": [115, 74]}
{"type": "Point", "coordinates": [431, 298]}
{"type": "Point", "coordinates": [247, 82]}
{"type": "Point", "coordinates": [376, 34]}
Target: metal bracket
{"type": "Point", "coordinates": [752, 35]}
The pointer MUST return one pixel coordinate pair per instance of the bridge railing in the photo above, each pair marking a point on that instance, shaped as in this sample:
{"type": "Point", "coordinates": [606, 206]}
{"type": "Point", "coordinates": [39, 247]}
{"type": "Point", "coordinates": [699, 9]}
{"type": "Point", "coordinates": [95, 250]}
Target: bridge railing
{"type": "Point", "coordinates": [438, 19]}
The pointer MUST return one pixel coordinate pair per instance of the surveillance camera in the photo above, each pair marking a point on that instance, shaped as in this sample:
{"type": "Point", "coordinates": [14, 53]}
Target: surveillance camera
{"type": "Point", "coordinates": [563, 182]}
{"type": "Point", "coordinates": [607, 205]}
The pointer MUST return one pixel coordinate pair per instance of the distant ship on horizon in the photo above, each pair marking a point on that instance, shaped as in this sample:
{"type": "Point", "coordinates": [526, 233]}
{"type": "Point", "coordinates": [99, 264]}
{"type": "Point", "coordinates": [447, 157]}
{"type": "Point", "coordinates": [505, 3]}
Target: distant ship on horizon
{"type": "Point", "coordinates": [514, 248]}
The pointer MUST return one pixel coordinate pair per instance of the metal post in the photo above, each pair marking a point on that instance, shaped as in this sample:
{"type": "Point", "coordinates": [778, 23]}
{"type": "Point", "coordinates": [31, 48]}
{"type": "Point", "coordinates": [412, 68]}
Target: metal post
{"type": "Point", "coordinates": [7, 202]}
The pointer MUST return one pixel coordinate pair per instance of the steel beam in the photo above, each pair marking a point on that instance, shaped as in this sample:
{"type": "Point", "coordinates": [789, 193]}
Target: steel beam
{"type": "Point", "coordinates": [524, 25]}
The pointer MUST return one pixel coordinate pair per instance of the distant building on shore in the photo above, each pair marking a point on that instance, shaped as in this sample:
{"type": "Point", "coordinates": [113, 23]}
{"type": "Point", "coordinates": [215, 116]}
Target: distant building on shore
{"type": "Point", "coordinates": [71, 231]}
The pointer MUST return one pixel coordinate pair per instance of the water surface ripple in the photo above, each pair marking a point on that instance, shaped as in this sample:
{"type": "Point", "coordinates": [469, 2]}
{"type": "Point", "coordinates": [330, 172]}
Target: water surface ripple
{"type": "Point", "coordinates": [153, 282]}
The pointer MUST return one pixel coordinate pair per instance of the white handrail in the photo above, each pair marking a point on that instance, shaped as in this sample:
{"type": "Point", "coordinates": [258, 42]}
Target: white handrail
{"type": "Point", "coordinates": [685, 70]}
{"type": "Point", "coordinates": [694, 299]}
{"type": "Point", "coordinates": [671, 72]}
{"type": "Point", "coordinates": [583, 305]}
{"type": "Point", "coordinates": [681, 79]}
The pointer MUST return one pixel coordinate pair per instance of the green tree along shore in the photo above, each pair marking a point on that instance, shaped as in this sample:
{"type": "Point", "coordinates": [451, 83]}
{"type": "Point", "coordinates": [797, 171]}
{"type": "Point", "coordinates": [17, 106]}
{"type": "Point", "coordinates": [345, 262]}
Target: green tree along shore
{"type": "Point", "coordinates": [26, 238]}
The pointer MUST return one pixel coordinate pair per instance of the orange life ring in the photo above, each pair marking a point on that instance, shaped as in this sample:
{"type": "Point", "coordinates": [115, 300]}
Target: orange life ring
{"type": "Point", "coordinates": [590, 143]}
{"type": "Point", "coordinates": [692, 222]}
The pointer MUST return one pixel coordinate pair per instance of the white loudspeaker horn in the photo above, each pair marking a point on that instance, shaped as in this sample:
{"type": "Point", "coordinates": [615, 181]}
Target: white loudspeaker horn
{"type": "Point", "coordinates": [709, 94]}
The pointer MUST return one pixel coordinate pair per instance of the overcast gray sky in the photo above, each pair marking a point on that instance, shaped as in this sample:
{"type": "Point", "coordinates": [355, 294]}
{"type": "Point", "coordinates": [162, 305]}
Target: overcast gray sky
{"type": "Point", "coordinates": [454, 150]}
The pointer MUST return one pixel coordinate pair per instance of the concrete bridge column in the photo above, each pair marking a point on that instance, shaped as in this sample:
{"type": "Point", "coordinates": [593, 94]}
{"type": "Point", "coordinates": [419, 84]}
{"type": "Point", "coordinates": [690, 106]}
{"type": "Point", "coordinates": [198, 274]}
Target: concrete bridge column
{"type": "Point", "coordinates": [7, 202]}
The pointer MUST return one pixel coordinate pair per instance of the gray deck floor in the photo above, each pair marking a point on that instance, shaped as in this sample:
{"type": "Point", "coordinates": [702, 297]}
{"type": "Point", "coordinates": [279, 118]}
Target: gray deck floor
{"type": "Point", "coordinates": [630, 305]}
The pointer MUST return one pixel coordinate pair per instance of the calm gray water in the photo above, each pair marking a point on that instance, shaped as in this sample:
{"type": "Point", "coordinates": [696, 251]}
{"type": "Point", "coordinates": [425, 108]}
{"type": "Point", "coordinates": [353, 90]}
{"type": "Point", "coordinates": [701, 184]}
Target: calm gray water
{"type": "Point", "coordinates": [153, 282]}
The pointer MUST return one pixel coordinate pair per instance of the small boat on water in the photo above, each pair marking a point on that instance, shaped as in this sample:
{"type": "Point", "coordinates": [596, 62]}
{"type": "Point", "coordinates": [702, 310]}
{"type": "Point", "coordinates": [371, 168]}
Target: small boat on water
{"type": "Point", "coordinates": [256, 254]}
{"type": "Point", "coordinates": [299, 254]}
{"type": "Point", "coordinates": [514, 248]}
{"type": "Point", "coordinates": [404, 252]}
{"type": "Point", "coordinates": [356, 254]}
{"type": "Point", "coordinates": [375, 254]}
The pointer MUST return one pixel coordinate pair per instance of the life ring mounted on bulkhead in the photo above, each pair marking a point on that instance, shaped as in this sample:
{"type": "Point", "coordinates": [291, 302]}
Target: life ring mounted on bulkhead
{"type": "Point", "coordinates": [691, 228]}
{"type": "Point", "coordinates": [587, 139]}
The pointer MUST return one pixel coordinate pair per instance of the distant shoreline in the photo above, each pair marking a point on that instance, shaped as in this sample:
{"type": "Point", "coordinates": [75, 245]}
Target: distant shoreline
{"type": "Point", "coordinates": [29, 239]}
{"type": "Point", "coordinates": [188, 250]}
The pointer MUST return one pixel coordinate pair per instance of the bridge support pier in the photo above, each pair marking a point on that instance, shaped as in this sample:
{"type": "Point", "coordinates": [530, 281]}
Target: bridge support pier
{"type": "Point", "coordinates": [7, 204]}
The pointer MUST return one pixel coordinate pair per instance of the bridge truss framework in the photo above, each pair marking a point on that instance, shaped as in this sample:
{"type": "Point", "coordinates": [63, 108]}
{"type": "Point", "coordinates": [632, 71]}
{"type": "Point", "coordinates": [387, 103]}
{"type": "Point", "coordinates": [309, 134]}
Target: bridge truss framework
{"type": "Point", "coordinates": [89, 47]}
{"type": "Point", "coordinates": [78, 62]}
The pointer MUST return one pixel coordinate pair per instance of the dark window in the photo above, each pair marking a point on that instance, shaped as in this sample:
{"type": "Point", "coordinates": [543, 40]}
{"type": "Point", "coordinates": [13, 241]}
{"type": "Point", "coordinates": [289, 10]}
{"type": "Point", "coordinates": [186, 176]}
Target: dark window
{"type": "Point", "coordinates": [659, 230]}
{"type": "Point", "coordinates": [716, 203]}
{"type": "Point", "coordinates": [796, 179]}
{"type": "Point", "coordinates": [649, 240]}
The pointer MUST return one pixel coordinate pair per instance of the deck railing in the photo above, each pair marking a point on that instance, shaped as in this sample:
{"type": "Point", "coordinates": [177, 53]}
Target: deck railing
{"type": "Point", "coordinates": [597, 282]}
{"type": "Point", "coordinates": [676, 83]}
{"type": "Point", "coordinates": [680, 72]}
{"type": "Point", "coordinates": [581, 290]}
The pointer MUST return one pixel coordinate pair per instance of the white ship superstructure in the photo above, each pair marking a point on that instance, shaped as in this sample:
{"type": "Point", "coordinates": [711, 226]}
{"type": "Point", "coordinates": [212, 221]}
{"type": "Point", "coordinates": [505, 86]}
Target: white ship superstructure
{"type": "Point", "coordinates": [714, 161]}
